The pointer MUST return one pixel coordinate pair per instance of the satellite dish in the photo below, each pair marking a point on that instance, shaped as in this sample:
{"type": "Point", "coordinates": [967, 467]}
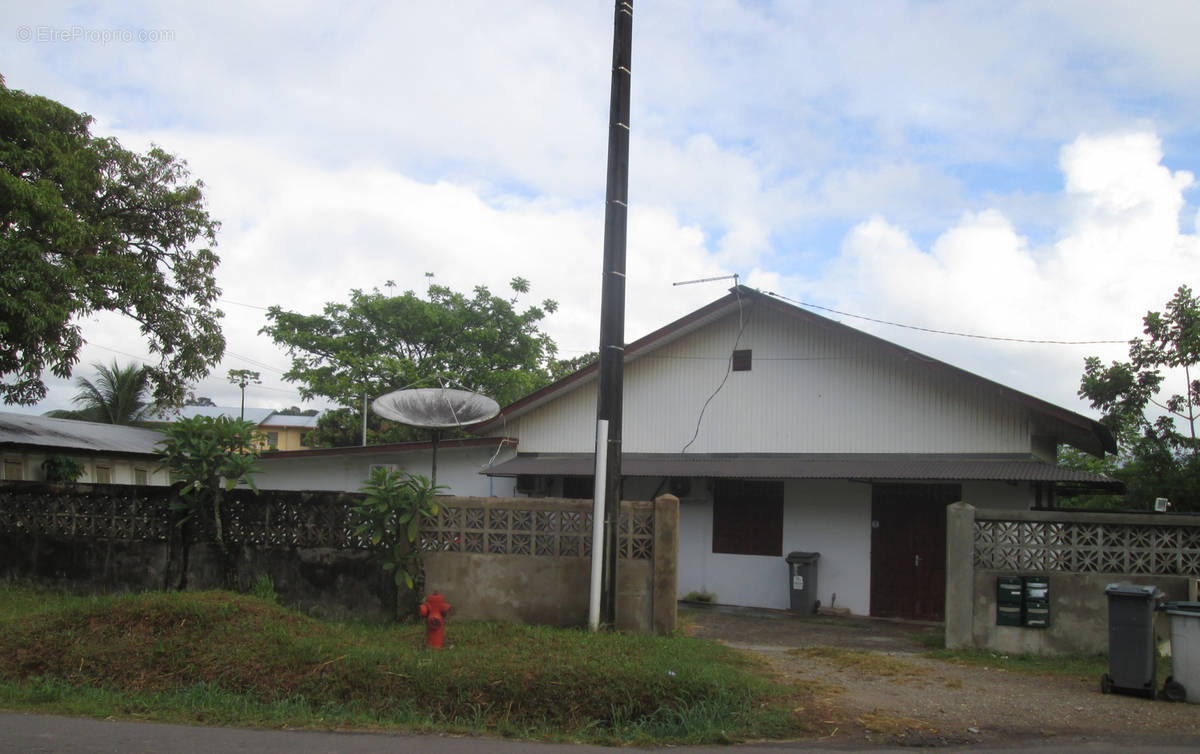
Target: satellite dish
{"type": "Point", "coordinates": [435, 408]}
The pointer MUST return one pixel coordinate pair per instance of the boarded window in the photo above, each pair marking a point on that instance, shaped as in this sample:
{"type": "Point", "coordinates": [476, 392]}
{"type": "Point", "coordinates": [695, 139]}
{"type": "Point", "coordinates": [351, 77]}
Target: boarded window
{"type": "Point", "coordinates": [748, 517]}
{"type": "Point", "coordinates": [141, 476]}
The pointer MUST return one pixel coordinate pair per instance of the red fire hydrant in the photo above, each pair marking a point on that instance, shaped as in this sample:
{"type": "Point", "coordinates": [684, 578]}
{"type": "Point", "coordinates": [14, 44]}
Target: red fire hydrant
{"type": "Point", "coordinates": [434, 610]}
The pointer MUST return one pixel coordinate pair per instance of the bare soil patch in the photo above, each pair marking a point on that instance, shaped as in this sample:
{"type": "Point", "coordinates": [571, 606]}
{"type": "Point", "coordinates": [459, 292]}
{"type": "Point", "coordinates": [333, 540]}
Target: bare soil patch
{"type": "Point", "coordinates": [867, 680]}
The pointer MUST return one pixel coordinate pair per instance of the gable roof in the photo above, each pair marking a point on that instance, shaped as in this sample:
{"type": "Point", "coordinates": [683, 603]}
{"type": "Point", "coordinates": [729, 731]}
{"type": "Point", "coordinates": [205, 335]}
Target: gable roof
{"type": "Point", "coordinates": [1072, 428]}
{"type": "Point", "coordinates": [70, 434]}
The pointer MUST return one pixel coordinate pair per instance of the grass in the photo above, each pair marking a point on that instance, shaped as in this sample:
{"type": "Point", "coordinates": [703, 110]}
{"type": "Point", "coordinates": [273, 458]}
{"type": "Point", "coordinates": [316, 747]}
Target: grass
{"type": "Point", "coordinates": [230, 659]}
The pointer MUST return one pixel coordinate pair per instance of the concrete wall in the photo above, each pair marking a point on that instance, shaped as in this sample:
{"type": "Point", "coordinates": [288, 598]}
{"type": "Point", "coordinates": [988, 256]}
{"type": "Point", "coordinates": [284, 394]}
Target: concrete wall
{"type": "Point", "coordinates": [554, 590]}
{"type": "Point", "coordinates": [1078, 603]}
{"type": "Point", "coordinates": [114, 538]}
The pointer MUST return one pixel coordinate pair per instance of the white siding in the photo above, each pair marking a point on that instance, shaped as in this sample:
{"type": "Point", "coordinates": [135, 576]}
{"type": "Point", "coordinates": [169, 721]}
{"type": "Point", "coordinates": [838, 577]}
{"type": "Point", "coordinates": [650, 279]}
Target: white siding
{"type": "Point", "coordinates": [807, 392]}
{"type": "Point", "coordinates": [458, 471]}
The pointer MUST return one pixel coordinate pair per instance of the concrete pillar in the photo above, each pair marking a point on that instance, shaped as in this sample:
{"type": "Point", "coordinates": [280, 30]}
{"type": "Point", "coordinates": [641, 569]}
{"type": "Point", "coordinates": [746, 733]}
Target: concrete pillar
{"type": "Point", "coordinates": [665, 581]}
{"type": "Point", "coordinates": [960, 575]}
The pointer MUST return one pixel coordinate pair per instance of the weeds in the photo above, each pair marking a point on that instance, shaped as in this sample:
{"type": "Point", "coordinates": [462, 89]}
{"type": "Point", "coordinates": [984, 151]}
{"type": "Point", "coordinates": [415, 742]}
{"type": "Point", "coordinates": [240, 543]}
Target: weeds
{"type": "Point", "coordinates": [230, 659]}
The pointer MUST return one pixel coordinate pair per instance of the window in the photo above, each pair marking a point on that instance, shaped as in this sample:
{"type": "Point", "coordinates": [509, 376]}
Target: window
{"type": "Point", "coordinates": [141, 476]}
{"type": "Point", "coordinates": [272, 440]}
{"type": "Point", "coordinates": [748, 517]}
{"type": "Point", "coordinates": [742, 360]}
{"type": "Point", "coordinates": [14, 469]}
{"type": "Point", "coordinates": [103, 474]}
{"type": "Point", "coordinates": [578, 487]}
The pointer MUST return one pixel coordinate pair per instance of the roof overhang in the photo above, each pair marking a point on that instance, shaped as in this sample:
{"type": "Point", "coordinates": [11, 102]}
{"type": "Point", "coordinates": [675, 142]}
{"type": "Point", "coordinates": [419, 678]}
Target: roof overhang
{"type": "Point", "coordinates": [864, 467]}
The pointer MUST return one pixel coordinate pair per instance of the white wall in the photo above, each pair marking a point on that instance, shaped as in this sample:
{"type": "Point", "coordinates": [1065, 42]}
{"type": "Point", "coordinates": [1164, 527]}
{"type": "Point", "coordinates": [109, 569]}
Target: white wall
{"type": "Point", "coordinates": [121, 470]}
{"type": "Point", "coordinates": [829, 517]}
{"type": "Point", "coordinates": [809, 390]}
{"type": "Point", "coordinates": [458, 470]}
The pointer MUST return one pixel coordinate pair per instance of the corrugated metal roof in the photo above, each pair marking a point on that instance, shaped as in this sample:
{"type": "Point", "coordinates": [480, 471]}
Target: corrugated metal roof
{"type": "Point", "coordinates": [1005, 468]}
{"type": "Point", "coordinates": [43, 431]}
{"type": "Point", "coordinates": [256, 415]}
{"type": "Point", "coordinates": [286, 420]}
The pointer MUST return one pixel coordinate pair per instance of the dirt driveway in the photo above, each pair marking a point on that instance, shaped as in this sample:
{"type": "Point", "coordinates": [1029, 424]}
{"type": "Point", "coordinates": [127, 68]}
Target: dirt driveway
{"type": "Point", "coordinates": [869, 680]}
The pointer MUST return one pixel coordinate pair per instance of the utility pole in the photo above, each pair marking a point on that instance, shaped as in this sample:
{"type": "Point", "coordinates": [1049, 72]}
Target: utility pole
{"type": "Point", "coordinates": [606, 515]}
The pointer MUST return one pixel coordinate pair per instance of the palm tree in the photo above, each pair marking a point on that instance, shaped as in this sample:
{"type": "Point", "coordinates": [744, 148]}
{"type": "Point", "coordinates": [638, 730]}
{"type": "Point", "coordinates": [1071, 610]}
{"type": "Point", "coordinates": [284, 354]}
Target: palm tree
{"type": "Point", "coordinates": [118, 396]}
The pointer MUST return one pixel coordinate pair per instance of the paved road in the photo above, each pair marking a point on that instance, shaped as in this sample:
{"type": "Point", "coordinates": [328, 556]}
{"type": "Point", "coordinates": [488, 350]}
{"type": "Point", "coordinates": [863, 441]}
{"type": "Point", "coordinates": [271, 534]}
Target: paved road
{"type": "Point", "coordinates": [48, 733]}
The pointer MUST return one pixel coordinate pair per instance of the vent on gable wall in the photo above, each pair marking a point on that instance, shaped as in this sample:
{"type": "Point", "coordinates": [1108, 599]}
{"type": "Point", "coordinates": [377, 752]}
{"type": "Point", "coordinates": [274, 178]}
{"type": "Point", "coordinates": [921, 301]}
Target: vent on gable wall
{"type": "Point", "coordinates": [742, 360]}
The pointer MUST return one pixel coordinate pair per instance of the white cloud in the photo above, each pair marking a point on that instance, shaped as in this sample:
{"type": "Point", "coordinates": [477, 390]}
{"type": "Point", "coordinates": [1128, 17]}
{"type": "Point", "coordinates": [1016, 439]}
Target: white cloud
{"type": "Point", "coordinates": [1120, 255]}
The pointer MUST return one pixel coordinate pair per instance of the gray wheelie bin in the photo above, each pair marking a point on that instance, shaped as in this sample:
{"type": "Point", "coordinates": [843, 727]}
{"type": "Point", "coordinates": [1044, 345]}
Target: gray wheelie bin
{"type": "Point", "coordinates": [1132, 656]}
{"type": "Point", "coordinates": [802, 580]}
{"type": "Point", "coordinates": [1183, 685]}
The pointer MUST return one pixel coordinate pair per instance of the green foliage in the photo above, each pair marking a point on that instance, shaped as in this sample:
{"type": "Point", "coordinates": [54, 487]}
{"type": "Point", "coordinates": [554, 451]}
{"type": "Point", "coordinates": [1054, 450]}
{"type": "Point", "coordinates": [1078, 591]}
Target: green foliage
{"type": "Point", "coordinates": [209, 456]}
{"type": "Point", "coordinates": [60, 469]}
{"type": "Point", "coordinates": [264, 588]}
{"type": "Point", "coordinates": [1158, 458]}
{"type": "Point", "coordinates": [376, 343]}
{"type": "Point", "coordinates": [560, 368]}
{"type": "Point", "coordinates": [87, 226]}
{"type": "Point", "coordinates": [389, 518]}
{"type": "Point", "coordinates": [226, 659]}
{"type": "Point", "coordinates": [343, 428]}
{"type": "Point", "coordinates": [118, 396]}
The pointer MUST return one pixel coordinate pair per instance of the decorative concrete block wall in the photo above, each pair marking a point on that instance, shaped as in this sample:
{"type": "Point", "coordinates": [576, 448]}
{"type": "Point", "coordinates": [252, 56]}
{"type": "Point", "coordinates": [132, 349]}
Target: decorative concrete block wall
{"type": "Point", "coordinates": [1079, 553]}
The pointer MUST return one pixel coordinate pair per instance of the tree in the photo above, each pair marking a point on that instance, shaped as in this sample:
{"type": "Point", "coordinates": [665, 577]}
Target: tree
{"type": "Point", "coordinates": [1158, 458]}
{"type": "Point", "coordinates": [297, 411]}
{"type": "Point", "coordinates": [376, 343]}
{"type": "Point", "coordinates": [342, 428]}
{"type": "Point", "coordinates": [209, 456]}
{"type": "Point", "coordinates": [118, 396]}
{"type": "Point", "coordinates": [389, 517]}
{"type": "Point", "coordinates": [242, 378]}
{"type": "Point", "coordinates": [88, 226]}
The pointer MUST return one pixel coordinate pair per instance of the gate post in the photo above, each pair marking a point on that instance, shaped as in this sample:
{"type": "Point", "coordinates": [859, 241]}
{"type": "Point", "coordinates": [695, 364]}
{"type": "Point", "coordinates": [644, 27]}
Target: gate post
{"type": "Point", "coordinates": [960, 575]}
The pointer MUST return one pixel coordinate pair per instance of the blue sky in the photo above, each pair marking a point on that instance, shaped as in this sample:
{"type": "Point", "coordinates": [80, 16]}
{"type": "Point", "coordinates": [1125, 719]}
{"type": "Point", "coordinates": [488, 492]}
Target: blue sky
{"type": "Point", "coordinates": [1020, 169]}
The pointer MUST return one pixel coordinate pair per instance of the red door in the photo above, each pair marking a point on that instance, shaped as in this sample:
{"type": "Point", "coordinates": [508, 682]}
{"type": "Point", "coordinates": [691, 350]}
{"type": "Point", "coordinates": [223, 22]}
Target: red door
{"type": "Point", "coordinates": [908, 549]}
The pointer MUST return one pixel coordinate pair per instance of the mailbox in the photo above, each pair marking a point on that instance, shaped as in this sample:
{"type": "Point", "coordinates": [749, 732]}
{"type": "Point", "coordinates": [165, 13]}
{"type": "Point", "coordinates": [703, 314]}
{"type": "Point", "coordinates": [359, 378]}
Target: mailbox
{"type": "Point", "coordinates": [1009, 590]}
{"type": "Point", "coordinates": [1036, 602]}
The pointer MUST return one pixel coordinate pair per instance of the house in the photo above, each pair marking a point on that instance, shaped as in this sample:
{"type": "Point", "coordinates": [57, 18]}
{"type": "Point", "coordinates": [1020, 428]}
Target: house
{"type": "Point", "coordinates": [110, 454]}
{"type": "Point", "coordinates": [278, 431]}
{"type": "Point", "coordinates": [460, 463]}
{"type": "Point", "coordinates": [781, 430]}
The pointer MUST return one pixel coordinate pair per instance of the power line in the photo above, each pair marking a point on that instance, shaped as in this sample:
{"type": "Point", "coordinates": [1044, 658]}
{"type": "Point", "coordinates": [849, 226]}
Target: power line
{"type": "Point", "coordinates": [945, 332]}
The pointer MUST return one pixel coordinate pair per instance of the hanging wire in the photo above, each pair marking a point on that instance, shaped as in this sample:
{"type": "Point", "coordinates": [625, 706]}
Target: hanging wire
{"type": "Point", "coordinates": [807, 305]}
{"type": "Point", "coordinates": [742, 321]}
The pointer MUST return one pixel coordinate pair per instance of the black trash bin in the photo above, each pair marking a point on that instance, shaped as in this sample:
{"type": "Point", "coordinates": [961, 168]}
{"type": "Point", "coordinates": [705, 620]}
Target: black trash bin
{"type": "Point", "coordinates": [1132, 655]}
{"type": "Point", "coordinates": [802, 581]}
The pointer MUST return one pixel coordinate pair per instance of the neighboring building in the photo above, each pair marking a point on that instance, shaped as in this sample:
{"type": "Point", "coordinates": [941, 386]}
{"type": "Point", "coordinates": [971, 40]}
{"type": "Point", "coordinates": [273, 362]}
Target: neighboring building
{"type": "Point", "coordinates": [460, 466]}
{"type": "Point", "coordinates": [781, 430]}
{"type": "Point", "coordinates": [278, 431]}
{"type": "Point", "coordinates": [110, 454]}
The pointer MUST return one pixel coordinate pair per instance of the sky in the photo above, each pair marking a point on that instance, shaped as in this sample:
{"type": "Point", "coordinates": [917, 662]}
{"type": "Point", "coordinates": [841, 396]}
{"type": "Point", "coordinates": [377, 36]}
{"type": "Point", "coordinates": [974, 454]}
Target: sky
{"type": "Point", "coordinates": [1017, 170]}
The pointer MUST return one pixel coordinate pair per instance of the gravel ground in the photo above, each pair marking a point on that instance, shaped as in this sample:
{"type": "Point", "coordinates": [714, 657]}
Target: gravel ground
{"type": "Point", "coordinates": [897, 696]}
